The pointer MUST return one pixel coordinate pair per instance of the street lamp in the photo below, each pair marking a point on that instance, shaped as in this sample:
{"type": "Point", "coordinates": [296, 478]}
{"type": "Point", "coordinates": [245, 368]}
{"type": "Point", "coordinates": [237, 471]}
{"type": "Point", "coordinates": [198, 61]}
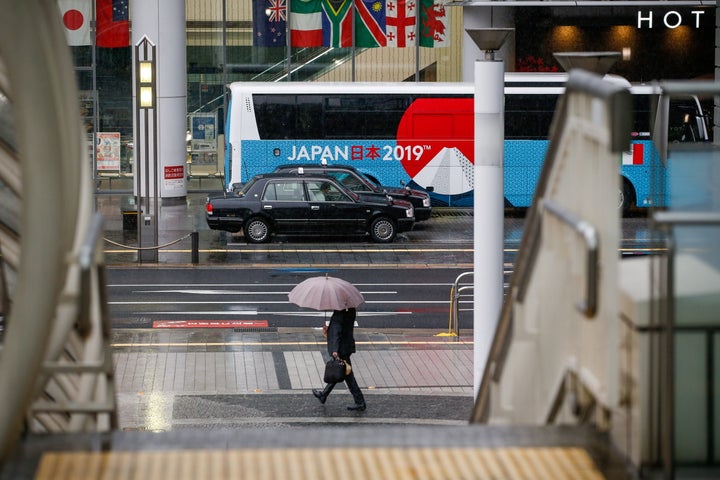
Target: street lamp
{"type": "Point", "coordinates": [146, 148]}
{"type": "Point", "coordinates": [147, 90]}
{"type": "Point", "coordinates": [489, 109]}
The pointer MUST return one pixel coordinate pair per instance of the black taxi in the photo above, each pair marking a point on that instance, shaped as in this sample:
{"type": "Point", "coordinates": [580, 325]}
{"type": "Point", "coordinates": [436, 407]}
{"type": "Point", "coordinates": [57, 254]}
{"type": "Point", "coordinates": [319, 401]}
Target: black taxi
{"type": "Point", "coordinates": [306, 204]}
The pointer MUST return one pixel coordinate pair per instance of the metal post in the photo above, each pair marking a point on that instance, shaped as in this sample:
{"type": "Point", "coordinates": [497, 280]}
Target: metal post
{"type": "Point", "coordinates": [489, 109]}
{"type": "Point", "coordinates": [195, 237]}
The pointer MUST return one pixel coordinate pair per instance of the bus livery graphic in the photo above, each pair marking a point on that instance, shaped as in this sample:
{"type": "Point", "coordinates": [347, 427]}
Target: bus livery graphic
{"type": "Point", "coordinates": [422, 134]}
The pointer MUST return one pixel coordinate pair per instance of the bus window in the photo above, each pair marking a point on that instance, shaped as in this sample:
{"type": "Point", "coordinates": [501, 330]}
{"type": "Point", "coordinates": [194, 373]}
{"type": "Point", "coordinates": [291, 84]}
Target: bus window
{"type": "Point", "coordinates": [529, 116]}
{"type": "Point", "coordinates": [643, 108]}
{"type": "Point", "coordinates": [275, 116]}
{"type": "Point", "coordinates": [364, 116]}
{"type": "Point", "coordinates": [683, 122]}
{"type": "Point", "coordinates": [308, 122]}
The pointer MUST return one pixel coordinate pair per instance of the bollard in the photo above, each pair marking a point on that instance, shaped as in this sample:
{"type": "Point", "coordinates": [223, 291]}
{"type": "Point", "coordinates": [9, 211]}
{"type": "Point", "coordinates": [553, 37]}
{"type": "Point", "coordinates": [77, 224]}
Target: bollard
{"type": "Point", "coordinates": [195, 236]}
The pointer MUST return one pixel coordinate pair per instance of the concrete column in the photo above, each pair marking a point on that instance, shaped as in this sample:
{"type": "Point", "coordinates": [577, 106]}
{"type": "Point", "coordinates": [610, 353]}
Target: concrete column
{"type": "Point", "coordinates": [163, 22]}
{"type": "Point", "coordinates": [489, 147]}
{"type": "Point", "coordinates": [486, 17]}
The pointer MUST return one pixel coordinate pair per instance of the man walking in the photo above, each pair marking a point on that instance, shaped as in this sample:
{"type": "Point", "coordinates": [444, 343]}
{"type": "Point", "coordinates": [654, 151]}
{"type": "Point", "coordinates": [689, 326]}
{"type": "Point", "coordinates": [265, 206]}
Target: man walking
{"type": "Point", "coordinates": [341, 344]}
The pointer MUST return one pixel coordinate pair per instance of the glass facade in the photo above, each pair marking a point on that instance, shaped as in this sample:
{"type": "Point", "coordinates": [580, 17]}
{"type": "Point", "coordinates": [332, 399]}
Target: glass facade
{"type": "Point", "coordinates": [220, 50]}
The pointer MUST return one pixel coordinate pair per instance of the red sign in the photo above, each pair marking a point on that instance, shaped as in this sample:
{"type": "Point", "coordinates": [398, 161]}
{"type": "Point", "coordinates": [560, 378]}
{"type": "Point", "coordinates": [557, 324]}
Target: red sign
{"type": "Point", "coordinates": [210, 324]}
{"type": "Point", "coordinates": [174, 172]}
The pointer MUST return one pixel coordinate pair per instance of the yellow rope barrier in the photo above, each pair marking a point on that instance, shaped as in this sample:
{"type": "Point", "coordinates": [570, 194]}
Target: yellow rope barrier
{"type": "Point", "coordinates": [130, 247]}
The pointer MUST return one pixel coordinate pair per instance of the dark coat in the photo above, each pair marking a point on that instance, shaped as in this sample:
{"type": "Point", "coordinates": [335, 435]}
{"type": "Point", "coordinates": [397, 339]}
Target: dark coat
{"type": "Point", "coordinates": [340, 337]}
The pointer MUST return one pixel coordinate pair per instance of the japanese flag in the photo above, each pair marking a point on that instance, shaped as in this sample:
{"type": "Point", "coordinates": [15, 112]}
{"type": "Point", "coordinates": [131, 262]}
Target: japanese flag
{"type": "Point", "coordinates": [76, 16]}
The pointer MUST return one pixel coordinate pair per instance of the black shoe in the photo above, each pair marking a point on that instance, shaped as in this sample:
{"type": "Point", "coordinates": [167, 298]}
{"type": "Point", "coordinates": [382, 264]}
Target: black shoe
{"type": "Point", "coordinates": [359, 407]}
{"type": "Point", "coordinates": [320, 395]}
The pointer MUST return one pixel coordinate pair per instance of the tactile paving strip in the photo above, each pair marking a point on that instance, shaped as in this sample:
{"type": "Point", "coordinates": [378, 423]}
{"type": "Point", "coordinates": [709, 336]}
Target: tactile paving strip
{"type": "Point", "coordinates": [323, 463]}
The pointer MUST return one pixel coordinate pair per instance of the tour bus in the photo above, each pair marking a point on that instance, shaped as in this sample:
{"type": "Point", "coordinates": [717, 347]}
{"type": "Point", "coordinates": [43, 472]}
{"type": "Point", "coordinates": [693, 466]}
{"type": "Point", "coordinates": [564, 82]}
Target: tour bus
{"type": "Point", "coordinates": [421, 134]}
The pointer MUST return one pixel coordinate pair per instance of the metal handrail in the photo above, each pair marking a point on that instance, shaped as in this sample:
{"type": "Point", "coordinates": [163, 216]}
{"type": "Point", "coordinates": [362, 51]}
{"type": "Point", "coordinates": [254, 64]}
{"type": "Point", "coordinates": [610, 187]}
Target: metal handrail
{"type": "Point", "coordinates": [589, 234]}
{"type": "Point", "coordinates": [454, 323]}
{"type": "Point", "coordinates": [675, 218]}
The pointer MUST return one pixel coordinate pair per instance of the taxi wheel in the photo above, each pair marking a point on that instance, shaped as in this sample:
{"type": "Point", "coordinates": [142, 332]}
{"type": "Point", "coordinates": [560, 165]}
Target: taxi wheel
{"type": "Point", "coordinates": [257, 230]}
{"type": "Point", "coordinates": [382, 230]}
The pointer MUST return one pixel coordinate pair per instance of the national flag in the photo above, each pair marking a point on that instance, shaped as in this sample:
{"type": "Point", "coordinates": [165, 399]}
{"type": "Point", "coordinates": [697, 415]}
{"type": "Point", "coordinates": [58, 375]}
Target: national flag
{"type": "Point", "coordinates": [76, 16]}
{"type": "Point", "coordinates": [635, 155]}
{"type": "Point", "coordinates": [401, 19]}
{"type": "Point", "coordinates": [370, 23]}
{"type": "Point", "coordinates": [306, 23]}
{"type": "Point", "coordinates": [337, 23]}
{"type": "Point", "coordinates": [112, 23]}
{"type": "Point", "coordinates": [269, 23]}
{"type": "Point", "coordinates": [434, 24]}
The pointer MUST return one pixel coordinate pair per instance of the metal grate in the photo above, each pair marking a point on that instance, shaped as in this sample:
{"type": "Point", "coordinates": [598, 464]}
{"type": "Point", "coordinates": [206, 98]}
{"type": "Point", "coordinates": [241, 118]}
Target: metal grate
{"type": "Point", "coordinates": [256, 330]}
{"type": "Point", "coordinates": [452, 212]}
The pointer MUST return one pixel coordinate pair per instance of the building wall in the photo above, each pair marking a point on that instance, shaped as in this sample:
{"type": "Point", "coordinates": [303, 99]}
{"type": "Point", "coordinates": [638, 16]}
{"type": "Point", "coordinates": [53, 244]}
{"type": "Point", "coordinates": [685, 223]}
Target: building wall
{"type": "Point", "coordinates": [660, 52]}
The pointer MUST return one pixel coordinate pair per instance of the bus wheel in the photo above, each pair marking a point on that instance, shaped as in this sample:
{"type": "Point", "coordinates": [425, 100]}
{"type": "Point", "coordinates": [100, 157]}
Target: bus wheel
{"type": "Point", "coordinates": [627, 196]}
{"type": "Point", "coordinates": [382, 230]}
{"type": "Point", "coordinates": [257, 230]}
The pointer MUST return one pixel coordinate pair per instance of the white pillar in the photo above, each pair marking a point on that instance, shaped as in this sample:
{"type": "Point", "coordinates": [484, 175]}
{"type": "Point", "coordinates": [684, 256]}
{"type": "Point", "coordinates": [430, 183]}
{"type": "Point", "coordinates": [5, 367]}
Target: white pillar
{"type": "Point", "coordinates": [163, 22]}
{"type": "Point", "coordinates": [489, 208]}
{"type": "Point", "coordinates": [475, 18]}
{"type": "Point", "coordinates": [716, 116]}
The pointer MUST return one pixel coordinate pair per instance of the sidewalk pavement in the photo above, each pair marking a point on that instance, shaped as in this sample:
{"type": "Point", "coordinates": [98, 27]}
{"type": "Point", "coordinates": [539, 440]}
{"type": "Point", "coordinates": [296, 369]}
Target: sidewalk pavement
{"type": "Point", "coordinates": [178, 379]}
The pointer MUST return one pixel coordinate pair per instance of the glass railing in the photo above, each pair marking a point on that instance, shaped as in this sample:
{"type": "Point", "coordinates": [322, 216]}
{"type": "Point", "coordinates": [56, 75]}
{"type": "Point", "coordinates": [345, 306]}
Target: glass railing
{"type": "Point", "coordinates": [689, 223]}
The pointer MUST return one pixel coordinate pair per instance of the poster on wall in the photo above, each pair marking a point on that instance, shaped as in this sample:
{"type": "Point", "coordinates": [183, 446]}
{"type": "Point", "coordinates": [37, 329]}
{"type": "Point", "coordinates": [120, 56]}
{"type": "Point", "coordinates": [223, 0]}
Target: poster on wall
{"type": "Point", "coordinates": [107, 151]}
{"type": "Point", "coordinates": [174, 177]}
{"type": "Point", "coordinates": [203, 128]}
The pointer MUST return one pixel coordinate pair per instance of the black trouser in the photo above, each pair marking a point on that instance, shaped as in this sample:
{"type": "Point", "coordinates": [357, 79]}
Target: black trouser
{"type": "Point", "coordinates": [351, 385]}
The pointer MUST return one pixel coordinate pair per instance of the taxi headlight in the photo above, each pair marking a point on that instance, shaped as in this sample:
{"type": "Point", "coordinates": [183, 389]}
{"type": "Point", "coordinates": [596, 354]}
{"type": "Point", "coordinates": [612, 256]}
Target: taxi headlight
{"type": "Point", "coordinates": [410, 212]}
{"type": "Point", "coordinates": [426, 202]}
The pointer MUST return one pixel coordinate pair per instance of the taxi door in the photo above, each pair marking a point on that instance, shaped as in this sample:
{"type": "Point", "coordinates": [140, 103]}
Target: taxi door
{"type": "Point", "coordinates": [332, 210]}
{"type": "Point", "coordinates": [285, 203]}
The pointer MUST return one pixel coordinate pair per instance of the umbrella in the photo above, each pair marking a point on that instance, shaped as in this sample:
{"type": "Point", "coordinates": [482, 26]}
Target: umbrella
{"type": "Point", "coordinates": [326, 293]}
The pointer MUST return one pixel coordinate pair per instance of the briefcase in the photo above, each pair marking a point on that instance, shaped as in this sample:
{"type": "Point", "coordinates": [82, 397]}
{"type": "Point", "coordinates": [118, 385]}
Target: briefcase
{"type": "Point", "coordinates": [334, 371]}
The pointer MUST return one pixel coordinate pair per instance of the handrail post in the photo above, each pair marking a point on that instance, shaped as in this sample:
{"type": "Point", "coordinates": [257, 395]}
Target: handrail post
{"type": "Point", "coordinates": [454, 304]}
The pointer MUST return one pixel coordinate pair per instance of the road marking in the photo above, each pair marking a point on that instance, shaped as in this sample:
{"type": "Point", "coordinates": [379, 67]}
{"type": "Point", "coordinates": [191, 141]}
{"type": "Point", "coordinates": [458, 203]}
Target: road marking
{"type": "Point", "coordinates": [452, 341]}
{"type": "Point", "coordinates": [210, 324]}
{"type": "Point", "coordinates": [305, 250]}
{"type": "Point", "coordinates": [344, 250]}
{"type": "Point", "coordinates": [265, 302]}
{"type": "Point", "coordinates": [240, 292]}
{"type": "Point", "coordinates": [230, 285]}
{"type": "Point", "coordinates": [287, 314]}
